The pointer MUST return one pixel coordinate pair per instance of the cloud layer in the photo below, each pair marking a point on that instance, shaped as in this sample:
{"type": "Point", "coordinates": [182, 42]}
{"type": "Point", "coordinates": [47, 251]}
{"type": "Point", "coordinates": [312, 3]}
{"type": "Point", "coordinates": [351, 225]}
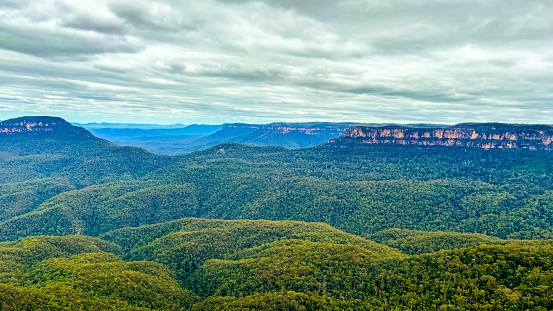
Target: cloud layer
{"type": "Point", "coordinates": [277, 60]}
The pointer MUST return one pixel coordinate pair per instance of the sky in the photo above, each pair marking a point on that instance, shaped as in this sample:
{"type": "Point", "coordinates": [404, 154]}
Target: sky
{"type": "Point", "coordinates": [213, 62]}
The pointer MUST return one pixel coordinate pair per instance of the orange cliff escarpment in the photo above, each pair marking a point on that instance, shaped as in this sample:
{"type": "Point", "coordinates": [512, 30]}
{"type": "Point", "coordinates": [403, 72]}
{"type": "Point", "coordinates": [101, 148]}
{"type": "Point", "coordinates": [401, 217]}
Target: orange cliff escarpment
{"type": "Point", "coordinates": [39, 125]}
{"type": "Point", "coordinates": [470, 135]}
{"type": "Point", "coordinates": [32, 124]}
{"type": "Point", "coordinates": [26, 127]}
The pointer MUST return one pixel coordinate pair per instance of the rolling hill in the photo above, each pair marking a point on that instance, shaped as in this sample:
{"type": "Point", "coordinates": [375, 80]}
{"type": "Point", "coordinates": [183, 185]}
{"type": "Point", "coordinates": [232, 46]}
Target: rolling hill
{"type": "Point", "coordinates": [198, 264]}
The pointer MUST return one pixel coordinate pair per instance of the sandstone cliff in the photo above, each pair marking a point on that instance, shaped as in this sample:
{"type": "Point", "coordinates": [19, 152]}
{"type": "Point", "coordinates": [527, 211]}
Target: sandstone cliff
{"type": "Point", "coordinates": [41, 125]}
{"type": "Point", "coordinates": [469, 135]}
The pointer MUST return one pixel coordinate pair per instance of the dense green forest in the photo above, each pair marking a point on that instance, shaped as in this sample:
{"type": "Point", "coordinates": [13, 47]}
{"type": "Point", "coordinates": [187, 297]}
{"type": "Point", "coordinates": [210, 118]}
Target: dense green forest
{"type": "Point", "coordinates": [498, 193]}
{"type": "Point", "coordinates": [90, 186]}
{"type": "Point", "coordinates": [199, 264]}
{"type": "Point", "coordinates": [82, 273]}
{"type": "Point", "coordinates": [420, 242]}
{"type": "Point", "coordinates": [89, 225]}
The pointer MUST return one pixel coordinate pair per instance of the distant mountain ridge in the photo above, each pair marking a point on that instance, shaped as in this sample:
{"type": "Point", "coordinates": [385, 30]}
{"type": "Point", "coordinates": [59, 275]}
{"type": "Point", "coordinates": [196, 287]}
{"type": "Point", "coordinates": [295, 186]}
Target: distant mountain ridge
{"type": "Point", "coordinates": [288, 135]}
{"type": "Point", "coordinates": [181, 139]}
{"type": "Point", "coordinates": [105, 125]}
{"type": "Point", "coordinates": [172, 141]}
{"type": "Point", "coordinates": [295, 135]}
{"type": "Point", "coordinates": [469, 135]}
{"type": "Point", "coordinates": [190, 130]}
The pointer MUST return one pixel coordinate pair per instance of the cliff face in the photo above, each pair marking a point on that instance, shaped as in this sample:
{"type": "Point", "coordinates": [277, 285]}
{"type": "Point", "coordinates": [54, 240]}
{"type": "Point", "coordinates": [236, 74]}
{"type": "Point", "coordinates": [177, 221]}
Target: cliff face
{"type": "Point", "coordinates": [41, 126]}
{"type": "Point", "coordinates": [29, 125]}
{"type": "Point", "coordinates": [469, 135]}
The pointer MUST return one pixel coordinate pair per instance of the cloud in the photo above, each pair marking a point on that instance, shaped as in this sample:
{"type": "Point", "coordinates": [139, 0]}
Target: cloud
{"type": "Point", "coordinates": [100, 23]}
{"type": "Point", "coordinates": [46, 40]}
{"type": "Point", "coordinates": [262, 61]}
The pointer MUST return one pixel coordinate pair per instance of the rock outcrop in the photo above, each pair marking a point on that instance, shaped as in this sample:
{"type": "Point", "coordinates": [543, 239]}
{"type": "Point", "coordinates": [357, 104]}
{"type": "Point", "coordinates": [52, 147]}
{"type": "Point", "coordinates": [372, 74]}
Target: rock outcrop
{"type": "Point", "coordinates": [468, 135]}
{"type": "Point", "coordinates": [40, 126]}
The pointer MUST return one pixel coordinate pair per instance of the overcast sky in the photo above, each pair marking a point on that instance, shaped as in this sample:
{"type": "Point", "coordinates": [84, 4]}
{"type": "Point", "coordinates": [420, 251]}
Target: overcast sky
{"type": "Point", "coordinates": [438, 61]}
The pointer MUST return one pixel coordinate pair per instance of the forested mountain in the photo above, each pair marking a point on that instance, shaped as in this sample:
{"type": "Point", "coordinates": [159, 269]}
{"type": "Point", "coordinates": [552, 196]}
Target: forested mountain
{"type": "Point", "coordinates": [415, 242]}
{"type": "Point", "coordinates": [414, 225]}
{"type": "Point", "coordinates": [46, 147]}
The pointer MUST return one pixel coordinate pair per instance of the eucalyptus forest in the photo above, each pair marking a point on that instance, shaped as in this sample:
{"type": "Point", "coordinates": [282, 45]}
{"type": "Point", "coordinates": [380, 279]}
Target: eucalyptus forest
{"type": "Point", "coordinates": [86, 224]}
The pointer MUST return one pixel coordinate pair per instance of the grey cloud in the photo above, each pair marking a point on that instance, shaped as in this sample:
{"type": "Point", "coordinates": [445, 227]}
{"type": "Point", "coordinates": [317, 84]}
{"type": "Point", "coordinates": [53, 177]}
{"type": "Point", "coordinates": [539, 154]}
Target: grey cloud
{"type": "Point", "coordinates": [139, 17]}
{"type": "Point", "coordinates": [13, 4]}
{"type": "Point", "coordinates": [154, 16]}
{"type": "Point", "coordinates": [93, 23]}
{"type": "Point", "coordinates": [110, 68]}
{"type": "Point", "coordinates": [440, 23]}
{"type": "Point", "coordinates": [241, 72]}
{"type": "Point", "coordinates": [44, 41]}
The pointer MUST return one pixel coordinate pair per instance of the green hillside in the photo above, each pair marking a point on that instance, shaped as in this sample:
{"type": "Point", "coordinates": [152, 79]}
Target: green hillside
{"type": "Point", "coordinates": [257, 232]}
{"type": "Point", "coordinates": [419, 242]}
{"type": "Point", "coordinates": [185, 245]}
{"type": "Point", "coordinates": [97, 209]}
{"type": "Point", "coordinates": [262, 264]}
{"type": "Point", "coordinates": [199, 264]}
{"type": "Point", "coordinates": [82, 273]}
{"type": "Point", "coordinates": [479, 278]}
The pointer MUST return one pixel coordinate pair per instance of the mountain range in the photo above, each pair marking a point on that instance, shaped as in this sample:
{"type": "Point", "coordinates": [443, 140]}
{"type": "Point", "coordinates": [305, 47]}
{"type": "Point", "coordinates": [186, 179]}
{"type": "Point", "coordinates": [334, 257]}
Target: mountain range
{"type": "Point", "coordinates": [375, 219]}
{"type": "Point", "coordinates": [180, 139]}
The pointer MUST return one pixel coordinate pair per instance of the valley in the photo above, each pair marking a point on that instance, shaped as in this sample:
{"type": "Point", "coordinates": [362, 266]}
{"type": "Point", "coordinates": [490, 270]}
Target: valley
{"type": "Point", "coordinates": [377, 218]}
